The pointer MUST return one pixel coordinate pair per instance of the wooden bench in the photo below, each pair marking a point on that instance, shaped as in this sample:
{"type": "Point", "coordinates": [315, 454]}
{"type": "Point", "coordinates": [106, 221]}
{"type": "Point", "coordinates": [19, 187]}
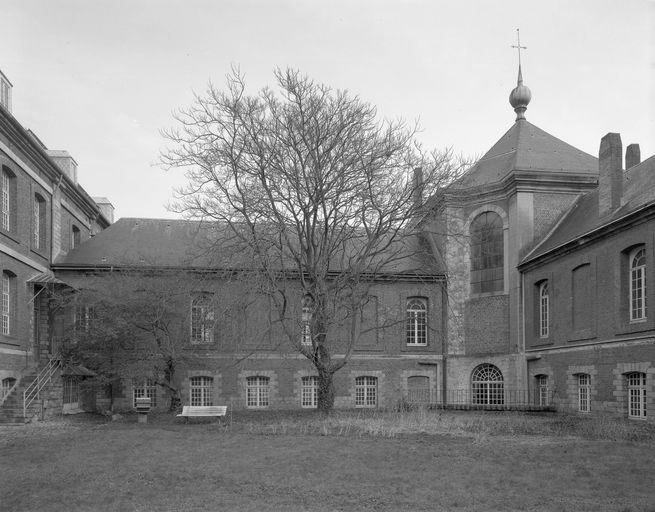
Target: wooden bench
{"type": "Point", "coordinates": [203, 411]}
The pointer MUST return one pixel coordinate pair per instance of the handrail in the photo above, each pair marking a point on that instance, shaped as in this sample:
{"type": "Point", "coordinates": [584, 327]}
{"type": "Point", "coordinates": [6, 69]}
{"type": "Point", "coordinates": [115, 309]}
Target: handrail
{"type": "Point", "coordinates": [33, 391]}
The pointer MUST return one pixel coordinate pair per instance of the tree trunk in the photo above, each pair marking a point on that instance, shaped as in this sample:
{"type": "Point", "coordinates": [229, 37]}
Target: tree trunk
{"type": "Point", "coordinates": [325, 391]}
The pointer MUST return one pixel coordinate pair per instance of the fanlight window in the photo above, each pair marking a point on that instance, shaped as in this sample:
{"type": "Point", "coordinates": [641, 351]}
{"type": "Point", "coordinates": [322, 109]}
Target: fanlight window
{"type": "Point", "coordinates": [417, 314]}
{"type": "Point", "coordinates": [487, 253]}
{"type": "Point", "coordinates": [487, 385]}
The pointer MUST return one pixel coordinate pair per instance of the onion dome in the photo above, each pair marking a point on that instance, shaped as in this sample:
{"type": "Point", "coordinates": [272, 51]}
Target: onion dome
{"type": "Point", "coordinates": [520, 97]}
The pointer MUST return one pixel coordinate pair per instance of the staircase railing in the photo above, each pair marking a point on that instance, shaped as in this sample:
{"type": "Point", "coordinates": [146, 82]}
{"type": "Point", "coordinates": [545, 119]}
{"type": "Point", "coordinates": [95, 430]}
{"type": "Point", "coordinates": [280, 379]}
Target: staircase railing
{"type": "Point", "coordinates": [33, 391]}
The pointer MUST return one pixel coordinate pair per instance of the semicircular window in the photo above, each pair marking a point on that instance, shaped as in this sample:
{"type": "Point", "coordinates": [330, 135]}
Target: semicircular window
{"type": "Point", "coordinates": [487, 386]}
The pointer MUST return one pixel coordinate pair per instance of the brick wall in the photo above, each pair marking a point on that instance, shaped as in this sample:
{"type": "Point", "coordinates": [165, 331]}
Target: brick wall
{"type": "Point", "coordinates": [487, 325]}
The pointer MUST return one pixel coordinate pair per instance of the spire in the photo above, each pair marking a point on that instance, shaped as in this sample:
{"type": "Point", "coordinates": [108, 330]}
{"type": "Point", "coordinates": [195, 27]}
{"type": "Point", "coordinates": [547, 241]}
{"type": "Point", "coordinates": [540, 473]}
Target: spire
{"type": "Point", "coordinates": [520, 95]}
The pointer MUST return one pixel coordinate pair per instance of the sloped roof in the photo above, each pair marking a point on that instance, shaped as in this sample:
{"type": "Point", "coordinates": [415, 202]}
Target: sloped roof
{"type": "Point", "coordinates": [526, 147]}
{"type": "Point", "coordinates": [584, 217]}
{"type": "Point", "coordinates": [138, 242]}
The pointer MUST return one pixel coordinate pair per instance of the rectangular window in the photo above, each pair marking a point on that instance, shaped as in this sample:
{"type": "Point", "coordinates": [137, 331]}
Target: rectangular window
{"type": "Point", "coordinates": [202, 318]}
{"type": "Point", "coordinates": [366, 391]}
{"type": "Point", "coordinates": [544, 310]}
{"type": "Point", "coordinates": [309, 392]}
{"type": "Point", "coordinates": [144, 388]}
{"type": "Point", "coordinates": [542, 385]}
{"type": "Point", "coordinates": [638, 285]}
{"type": "Point", "coordinates": [584, 392]}
{"type": "Point", "coordinates": [36, 225]}
{"type": "Point", "coordinates": [6, 303]}
{"type": "Point", "coordinates": [257, 391]}
{"type": "Point", "coordinates": [201, 391]}
{"type": "Point", "coordinates": [5, 201]}
{"type": "Point", "coordinates": [637, 395]}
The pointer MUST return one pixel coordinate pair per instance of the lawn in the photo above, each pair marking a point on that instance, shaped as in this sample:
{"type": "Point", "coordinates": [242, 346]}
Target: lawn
{"type": "Point", "coordinates": [304, 462]}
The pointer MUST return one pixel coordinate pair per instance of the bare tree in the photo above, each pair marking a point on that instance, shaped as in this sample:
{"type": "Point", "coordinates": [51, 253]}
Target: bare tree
{"type": "Point", "coordinates": [317, 191]}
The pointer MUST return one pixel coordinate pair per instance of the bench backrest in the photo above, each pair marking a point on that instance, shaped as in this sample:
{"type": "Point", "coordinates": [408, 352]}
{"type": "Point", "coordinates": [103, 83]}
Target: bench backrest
{"type": "Point", "coordinates": [218, 410]}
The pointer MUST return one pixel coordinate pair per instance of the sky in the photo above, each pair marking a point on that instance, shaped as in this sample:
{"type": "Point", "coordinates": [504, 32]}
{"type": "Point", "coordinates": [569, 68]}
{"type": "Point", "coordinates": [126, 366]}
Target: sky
{"type": "Point", "coordinates": [101, 79]}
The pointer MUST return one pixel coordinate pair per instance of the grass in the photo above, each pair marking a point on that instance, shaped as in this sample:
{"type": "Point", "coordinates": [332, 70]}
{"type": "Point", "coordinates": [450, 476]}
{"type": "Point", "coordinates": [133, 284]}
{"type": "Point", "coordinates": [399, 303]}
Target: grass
{"type": "Point", "coordinates": [417, 460]}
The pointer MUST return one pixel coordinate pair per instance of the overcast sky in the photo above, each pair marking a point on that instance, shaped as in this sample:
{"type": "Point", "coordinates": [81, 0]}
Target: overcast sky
{"type": "Point", "coordinates": [101, 78]}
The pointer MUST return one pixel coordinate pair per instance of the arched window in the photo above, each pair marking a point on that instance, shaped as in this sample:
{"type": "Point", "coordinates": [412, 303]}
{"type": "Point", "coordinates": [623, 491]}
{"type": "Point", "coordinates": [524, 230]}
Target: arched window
{"type": "Point", "coordinates": [201, 390]}
{"type": "Point", "coordinates": [636, 395]}
{"type": "Point", "coordinates": [257, 391]}
{"type": "Point", "coordinates": [38, 223]}
{"type": "Point", "coordinates": [366, 391]}
{"type": "Point", "coordinates": [309, 391]}
{"type": "Point", "coordinates": [7, 200]}
{"type": "Point", "coordinates": [487, 385]}
{"type": "Point", "coordinates": [417, 321]}
{"type": "Point", "coordinates": [638, 284]}
{"type": "Point", "coordinates": [544, 309]}
{"type": "Point", "coordinates": [487, 253]}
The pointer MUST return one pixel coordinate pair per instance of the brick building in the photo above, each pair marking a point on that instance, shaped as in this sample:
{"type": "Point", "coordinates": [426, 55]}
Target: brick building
{"type": "Point", "coordinates": [243, 356]}
{"type": "Point", "coordinates": [44, 213]}
{"type": "Point", "coordinates": [589, 326]}
{"type": "Point", "coordinates": [534, 295]}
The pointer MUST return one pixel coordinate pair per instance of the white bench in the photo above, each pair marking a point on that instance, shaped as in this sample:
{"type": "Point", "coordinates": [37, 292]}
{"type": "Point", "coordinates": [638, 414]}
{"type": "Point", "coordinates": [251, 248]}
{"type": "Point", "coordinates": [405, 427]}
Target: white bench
{"type": "Point", "coordinates": [203, 411]}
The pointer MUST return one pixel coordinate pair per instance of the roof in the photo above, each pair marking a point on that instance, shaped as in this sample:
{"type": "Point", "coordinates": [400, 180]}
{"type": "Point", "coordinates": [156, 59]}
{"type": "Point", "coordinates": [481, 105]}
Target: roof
{"type": "Point", "coordinates": [583, 217]}
{"type": "Point", "coordinates": [526, 147]}
{"type": "Point", "coordinates": [165, 243]}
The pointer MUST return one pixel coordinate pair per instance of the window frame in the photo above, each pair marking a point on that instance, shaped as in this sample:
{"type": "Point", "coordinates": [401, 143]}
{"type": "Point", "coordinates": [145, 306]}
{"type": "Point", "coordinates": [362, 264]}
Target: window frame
{"type": "Point", "coordinates": [487, 253]}
{"type": "Point", "coordinates": [8, 290]}
{"type": "Point", "coordinates": [201, 325]}
{"type": "Point", "coordinates": [487, 391]}
{"type": "Point", "coordinates": [636, 392]}
{"type": "Point", "coordinates": [8, 204]}
{"type": "Point", "coordinates": [201, 391]}
{"type": "Point", "coordinates": [543, 390]}
{"type": "Point", "coordinates": [637, 299]}
{"type": "Point", "coordinates": [544, 310]}
{"type": "Point", "coordinates": [144, 387]}
{"type": "Point", "coordinates": [416, 321]}
{"type": "Point", "coordinates": [584, 392]}
{"type": "Point", "coordinates": [39, 213]}
{"type": "Point", "coordinates": [7, 385]}
{"type": "Point", "coordinates": [366, 391]}
{"type": "Point", "coordinates": [258, 392]}
{"type": "Point", "coordinates": [309, 392]}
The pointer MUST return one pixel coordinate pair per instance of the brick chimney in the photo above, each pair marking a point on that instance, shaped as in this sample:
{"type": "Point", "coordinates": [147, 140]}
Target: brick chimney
{"type": "Point", "coordinates": [610, 175]}
{"type": "Point", "coordinates": [632, 156]}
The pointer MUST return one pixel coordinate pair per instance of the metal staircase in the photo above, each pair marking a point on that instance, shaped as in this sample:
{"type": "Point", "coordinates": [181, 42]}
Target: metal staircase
{"type": "Point", "coordinates": [33, 390]}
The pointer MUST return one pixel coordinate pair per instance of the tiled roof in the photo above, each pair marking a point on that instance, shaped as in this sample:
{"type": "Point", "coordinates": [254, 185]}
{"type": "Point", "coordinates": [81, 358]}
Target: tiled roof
{"type": "Point", "coordinates": [526, 147]}
{"type": "Point", "coordinates": [583, 217]}
{"type": "Point", "coordinates": [181, 243]}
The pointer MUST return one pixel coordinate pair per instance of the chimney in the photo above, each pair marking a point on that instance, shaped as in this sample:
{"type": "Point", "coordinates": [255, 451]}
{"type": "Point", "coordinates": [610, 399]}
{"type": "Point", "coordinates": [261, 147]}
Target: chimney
{"type": "Point", "coordinates": [106, 208]}
{"type": "Point", "coordinates": [417, 190]}
{"type": "Point", "coordinates": [5, 91]}
{"type": "Point", "coordinates": [65, 162]}
{"type": "Point", "coordinates": [632, 156]}
{"type": "Point", "coordinates": [610, 175]}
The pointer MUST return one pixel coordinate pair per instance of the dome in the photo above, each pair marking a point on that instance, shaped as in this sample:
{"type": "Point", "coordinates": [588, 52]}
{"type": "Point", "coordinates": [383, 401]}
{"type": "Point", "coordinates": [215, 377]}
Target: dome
{"type": "Point", "coordinates": [520, 97]}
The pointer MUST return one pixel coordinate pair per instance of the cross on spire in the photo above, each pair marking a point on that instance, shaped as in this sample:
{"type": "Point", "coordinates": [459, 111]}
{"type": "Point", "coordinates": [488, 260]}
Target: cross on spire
{"type": "Point", "coordinates": [518, 45]}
